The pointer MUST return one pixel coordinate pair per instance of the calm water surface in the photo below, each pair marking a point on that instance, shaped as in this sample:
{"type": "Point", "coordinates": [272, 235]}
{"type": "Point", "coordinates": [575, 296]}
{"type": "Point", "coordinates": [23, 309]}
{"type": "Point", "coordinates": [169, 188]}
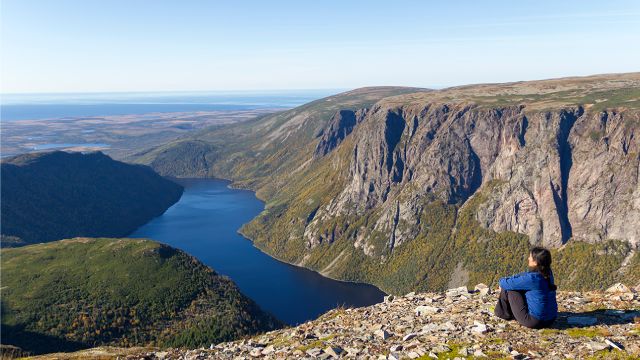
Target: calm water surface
{"type": "Point", "coordinates": [204, 223]}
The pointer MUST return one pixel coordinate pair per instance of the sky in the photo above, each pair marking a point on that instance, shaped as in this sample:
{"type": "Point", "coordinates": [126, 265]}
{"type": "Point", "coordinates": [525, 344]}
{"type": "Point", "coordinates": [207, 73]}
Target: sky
{"type": "Point", "coordinates": [152, 45]}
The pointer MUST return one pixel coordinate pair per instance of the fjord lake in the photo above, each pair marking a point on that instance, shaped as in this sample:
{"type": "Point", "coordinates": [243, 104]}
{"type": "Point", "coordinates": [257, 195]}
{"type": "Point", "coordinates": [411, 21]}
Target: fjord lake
{"type": "Point", "coordinates": [205, 223]}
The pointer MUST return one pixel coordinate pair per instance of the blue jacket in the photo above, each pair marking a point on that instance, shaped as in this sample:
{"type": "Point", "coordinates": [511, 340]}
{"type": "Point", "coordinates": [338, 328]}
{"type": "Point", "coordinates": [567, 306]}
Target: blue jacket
{"type": "Point", "coordinates": [541, 300]}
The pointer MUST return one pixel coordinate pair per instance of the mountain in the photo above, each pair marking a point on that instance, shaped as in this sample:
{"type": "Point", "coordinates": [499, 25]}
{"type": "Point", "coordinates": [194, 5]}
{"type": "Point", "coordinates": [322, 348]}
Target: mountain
{"type": "Point", "coordinates": [413, 189]}
{"type": "Point", "coordinates": [456, 324]}
{"type": "Point", "coordinates": [57, 195]}
{"type": "Point", "coordinates": [83, 292]}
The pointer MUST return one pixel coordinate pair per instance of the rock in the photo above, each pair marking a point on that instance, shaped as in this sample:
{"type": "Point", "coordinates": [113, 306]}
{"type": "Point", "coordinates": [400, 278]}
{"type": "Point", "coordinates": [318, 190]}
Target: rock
{"type": "Point", "coordinates": [389, 298]}
{"type": "Point", "coordinates": [334, 351]}
{"type": "Point", "coordinates": [614, 344]}
{"type": "Point", "coordinates": [441, 348]}
{"type": "Point", "coordinates": [314, 352]}
{"type": "Point", "coordinates": [479, 353]}
{"type": "Point", "coordinates": [409, 336]}
{"type": "Point", "coordinates": [308, 336]}
{"type": "Point", "coordinates": [396, 348]}
{"type": "Point", "coordinates": [257, 352]}
{"type": "Point", "coordinates": [423, 310]}
{"type": "Point", "coordinates": [462, 290]}
{"type": "Point", "coordinates": [582, 320]}
{"type": "Point", "coordinates": [596, 345]}
{"type": "Point", "coordinates": [340, 125]}
{"type": "Point", "coordinates": [268, 350]}
{"type": "Point", "coordinates": [479, 328]}
{"type": "Point", "coordinates": [448, 326]}
{"type": "Point", "coordinates": [430, 327]}
{"type": "Point", "coordinates": [482, 289]}
{"type": "Point", "coordinates": [394, 356]}
{"type": "Point", "coordinates": [618, 288]}
{"type": "Point", "coordinates": [463, 351]}
{"type": "Point", "coordinates": [382, 334]}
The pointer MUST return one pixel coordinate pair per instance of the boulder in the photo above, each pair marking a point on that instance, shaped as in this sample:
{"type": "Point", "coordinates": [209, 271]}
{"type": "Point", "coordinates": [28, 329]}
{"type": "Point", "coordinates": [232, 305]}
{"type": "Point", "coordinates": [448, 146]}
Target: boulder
{"type": "Point", "coordinates": [618, 288]}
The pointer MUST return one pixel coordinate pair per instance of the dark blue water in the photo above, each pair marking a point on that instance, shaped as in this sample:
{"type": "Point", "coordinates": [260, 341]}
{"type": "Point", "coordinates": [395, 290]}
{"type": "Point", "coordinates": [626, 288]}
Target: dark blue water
{"type": "Point", "coordinates": [204, 223]}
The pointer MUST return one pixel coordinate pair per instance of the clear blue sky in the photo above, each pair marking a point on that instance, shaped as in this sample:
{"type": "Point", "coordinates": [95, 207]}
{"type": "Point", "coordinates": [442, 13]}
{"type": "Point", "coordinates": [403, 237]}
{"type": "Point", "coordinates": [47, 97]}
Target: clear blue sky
{"type": "Point", "coordinates": [115, 45]}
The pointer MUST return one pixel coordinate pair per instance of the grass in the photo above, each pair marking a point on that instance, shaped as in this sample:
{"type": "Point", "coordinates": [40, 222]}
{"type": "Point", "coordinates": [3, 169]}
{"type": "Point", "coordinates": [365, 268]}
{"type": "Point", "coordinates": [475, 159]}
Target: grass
{"type": "Point", "coordinates": [587, 332]}
{"type": "Point", "coordinates": [612, 355]}
{"type": "Point", "coordinates": [453, 353]}
{"type": "Point", "coordinates": [320, 343]}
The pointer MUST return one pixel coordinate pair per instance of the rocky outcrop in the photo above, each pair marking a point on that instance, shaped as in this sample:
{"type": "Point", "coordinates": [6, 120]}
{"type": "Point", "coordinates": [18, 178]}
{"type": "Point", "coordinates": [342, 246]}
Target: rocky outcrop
{"type": "Point", "coordinates": [452, 324]}
{"type": "Point", "coordinates": [339, 127]}
{"type": "Point", "coordinates": [547, 171]}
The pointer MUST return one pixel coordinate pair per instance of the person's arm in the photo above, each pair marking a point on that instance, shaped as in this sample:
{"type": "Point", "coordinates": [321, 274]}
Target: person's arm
{"type": "Point", "coordinates": [517, 282]}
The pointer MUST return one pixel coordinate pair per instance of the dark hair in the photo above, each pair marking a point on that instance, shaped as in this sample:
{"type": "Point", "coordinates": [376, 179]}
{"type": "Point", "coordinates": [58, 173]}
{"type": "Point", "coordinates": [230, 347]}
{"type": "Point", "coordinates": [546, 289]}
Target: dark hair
{"type": "Point", "coordinates": [542, 257]}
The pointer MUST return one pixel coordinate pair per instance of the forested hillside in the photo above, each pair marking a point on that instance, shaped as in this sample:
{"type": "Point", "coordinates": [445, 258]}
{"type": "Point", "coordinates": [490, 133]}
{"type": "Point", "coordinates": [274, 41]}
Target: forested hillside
{"type": "Point", "coordinates": [85, 292]}
{"type": "Point", "coordinates": [57, 195]}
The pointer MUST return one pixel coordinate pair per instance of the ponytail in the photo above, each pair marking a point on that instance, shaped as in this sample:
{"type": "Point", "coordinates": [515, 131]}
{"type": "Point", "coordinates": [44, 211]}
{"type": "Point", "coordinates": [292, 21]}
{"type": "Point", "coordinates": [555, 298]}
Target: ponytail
{"type": "Point", "coordinates": [542, 258]}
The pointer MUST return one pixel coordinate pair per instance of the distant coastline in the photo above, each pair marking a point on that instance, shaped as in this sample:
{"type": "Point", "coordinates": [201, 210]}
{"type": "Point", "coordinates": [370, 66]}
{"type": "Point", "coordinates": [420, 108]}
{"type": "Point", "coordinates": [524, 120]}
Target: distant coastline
{"type": "Point", "coordinates": [49, 106]}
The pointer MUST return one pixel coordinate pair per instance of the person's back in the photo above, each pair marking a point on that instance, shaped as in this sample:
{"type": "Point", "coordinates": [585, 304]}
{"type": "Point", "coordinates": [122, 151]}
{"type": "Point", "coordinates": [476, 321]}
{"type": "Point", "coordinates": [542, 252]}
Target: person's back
{"type": "Point", "coordinates": [540, 296]}
{"type": "Point", "coordinates": [530, 297]}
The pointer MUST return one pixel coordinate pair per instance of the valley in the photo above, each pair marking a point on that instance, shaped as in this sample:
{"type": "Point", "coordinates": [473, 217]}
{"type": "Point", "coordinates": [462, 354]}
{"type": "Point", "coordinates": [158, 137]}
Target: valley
{"type": "Point", "coordinates": [412, 189]}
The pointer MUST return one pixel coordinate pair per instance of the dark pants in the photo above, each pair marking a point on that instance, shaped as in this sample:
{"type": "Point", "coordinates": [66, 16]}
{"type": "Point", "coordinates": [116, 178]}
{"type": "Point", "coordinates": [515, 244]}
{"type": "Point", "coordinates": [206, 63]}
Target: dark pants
{"type": "Point", "coordinates": [513, 305]}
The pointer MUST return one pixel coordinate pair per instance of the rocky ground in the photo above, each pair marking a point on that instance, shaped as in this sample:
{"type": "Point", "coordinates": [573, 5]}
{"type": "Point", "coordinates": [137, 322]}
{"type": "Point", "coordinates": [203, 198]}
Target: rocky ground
{"type": "Point", "coordinates": [458, 324]}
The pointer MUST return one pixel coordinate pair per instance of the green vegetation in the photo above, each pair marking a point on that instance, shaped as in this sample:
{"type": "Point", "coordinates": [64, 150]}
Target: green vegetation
{"type": "Point", "coordinates": [57, 195]}
{"type": "Point", "coordinates": [83, 292]}
{"type": "Point", "coordinates": [273, 155]}
{"type": "Point", "coordinates": [588, 332]}
{"type": "Point", "coordinates": [584, 266]}
{"type": "Point", "coordinates": [613, 355]}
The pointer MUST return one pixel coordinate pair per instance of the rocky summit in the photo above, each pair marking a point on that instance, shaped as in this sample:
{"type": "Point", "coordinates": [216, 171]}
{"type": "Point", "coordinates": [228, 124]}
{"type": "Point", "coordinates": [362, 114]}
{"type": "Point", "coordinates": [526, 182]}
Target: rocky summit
{"type": "Point", "coordinates": [456, 324]}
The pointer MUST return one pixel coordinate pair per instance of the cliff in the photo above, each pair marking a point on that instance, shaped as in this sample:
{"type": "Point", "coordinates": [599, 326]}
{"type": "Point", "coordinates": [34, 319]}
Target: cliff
{"type": "Point", "coordinates": [411, 189]}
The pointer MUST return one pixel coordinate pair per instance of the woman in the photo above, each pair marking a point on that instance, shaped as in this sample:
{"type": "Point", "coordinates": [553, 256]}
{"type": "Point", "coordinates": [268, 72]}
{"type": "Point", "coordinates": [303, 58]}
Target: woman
{"type": "Point", "coordinates": [530, 297]}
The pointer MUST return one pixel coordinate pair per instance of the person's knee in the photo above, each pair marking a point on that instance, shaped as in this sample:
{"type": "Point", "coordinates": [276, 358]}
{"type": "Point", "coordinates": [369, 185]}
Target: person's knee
{"type": "Point", "coordinates": [514, 293]}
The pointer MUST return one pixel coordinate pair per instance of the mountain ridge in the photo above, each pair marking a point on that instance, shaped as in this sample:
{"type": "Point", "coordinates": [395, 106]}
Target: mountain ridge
{"type": "Point", "coordinates": [469, 171]}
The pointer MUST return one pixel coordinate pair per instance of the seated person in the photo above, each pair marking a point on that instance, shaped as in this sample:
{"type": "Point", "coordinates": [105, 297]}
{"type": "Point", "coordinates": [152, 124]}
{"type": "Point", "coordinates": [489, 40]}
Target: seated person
{"type": "Point", "coordinates": [530, 297]}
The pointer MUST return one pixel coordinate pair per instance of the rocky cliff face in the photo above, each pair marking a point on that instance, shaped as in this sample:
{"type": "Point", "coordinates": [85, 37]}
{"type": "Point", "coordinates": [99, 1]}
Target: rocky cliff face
{"type": "Point", "coordinates": [456, 324]}
{"type": "Point", "coordinates": [555, 171]}
{"type": "Point", "coordinates": [339, 127]}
